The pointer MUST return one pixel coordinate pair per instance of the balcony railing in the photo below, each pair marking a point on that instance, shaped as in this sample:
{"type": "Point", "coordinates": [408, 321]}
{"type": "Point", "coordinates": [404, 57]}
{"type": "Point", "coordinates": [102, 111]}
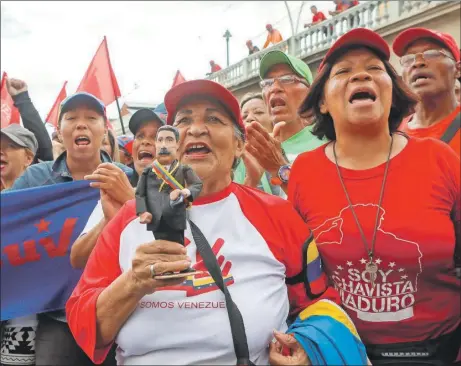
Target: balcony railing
{"type": "Point", "coordinates": [371, 14]}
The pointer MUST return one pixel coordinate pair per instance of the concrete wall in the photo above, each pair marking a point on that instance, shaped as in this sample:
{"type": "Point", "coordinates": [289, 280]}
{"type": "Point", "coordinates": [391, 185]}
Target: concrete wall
{"type": "Point", "coordinates": [446, 18]}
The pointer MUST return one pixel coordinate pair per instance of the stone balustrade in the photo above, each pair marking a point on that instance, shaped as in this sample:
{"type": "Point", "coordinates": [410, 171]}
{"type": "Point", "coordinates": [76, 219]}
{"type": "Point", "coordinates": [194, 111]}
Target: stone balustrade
{"type": "Point", "coordinates": [318, 38]}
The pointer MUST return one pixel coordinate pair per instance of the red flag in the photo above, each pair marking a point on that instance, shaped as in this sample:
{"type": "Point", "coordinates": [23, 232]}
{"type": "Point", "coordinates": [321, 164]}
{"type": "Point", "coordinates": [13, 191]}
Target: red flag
{"type": "Point", "coordinates": [100, 79]}
{"type": "Point", "coordinates": [9, 113]}
{"type": "Point", "coordinates": [53, 115]}
{"type": "Point", "coordinates": [178, 79]}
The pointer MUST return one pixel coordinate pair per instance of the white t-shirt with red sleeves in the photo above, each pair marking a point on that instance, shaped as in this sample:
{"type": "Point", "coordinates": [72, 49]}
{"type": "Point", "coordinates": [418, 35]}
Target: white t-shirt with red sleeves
{"type": "Point", "coordinates": [257, 239]}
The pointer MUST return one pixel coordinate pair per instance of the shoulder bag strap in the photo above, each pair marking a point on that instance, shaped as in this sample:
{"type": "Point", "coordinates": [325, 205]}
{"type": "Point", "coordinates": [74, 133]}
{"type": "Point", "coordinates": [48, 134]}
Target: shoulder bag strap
{"type": "Point", "coordinates": [235, 317]}
{"type": "Point", "coordinates": [450, 132]}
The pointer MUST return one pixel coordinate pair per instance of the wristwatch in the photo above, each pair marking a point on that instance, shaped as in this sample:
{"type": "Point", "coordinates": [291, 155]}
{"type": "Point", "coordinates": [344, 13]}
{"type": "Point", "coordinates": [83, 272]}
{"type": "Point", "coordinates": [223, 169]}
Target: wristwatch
{"type": "Point", "coordinates": [282, 176]}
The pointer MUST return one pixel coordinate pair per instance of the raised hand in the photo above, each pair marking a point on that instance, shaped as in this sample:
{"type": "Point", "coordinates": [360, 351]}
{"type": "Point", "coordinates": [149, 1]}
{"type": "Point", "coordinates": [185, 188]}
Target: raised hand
{"type": "Point", "coordinates": [266, 147]}
{"type": "Point", "coordinates": [113, 180]}
{"type": "Point", "coordinates": [15, 86]}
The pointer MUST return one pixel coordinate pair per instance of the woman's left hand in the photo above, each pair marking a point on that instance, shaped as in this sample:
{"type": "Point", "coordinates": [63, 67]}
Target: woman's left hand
{"type": "Point", "coordinates": [297, 354]}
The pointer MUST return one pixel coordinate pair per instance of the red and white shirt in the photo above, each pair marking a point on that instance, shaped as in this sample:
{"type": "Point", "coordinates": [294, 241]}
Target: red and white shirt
{"type": "Point", "coordinates": [416, 296]}
{"type": "Point", "coordinates": [257, 239]}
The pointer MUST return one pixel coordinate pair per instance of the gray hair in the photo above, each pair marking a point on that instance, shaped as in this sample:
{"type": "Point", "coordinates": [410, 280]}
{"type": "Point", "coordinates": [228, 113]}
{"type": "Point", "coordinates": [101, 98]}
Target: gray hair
{"type": "Point", "coordinates": [238, 133]}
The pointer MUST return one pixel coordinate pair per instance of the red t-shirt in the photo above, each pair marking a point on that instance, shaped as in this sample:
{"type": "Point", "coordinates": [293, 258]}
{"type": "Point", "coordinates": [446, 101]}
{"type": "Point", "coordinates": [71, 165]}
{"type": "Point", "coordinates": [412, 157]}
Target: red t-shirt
{"type": "Point", "coordinates": [436, 130]}
{"type": "Point", "coordinates": [319, 17]}
{"type": "Point", "coordinates": [215, 68]}
{"type": "Point", "coordinates": [416, 296]}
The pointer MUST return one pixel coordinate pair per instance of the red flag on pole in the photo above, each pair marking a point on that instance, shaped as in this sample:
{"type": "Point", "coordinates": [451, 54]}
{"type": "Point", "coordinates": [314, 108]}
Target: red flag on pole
{"type": "Point", "coordinates": [100, 79]}
{"type": "Point", "coordinates": [53, 115]}
{"type": "Point", "coordinates": [9, 113]}
{"type": "Point", "coordinates": [178, 79]}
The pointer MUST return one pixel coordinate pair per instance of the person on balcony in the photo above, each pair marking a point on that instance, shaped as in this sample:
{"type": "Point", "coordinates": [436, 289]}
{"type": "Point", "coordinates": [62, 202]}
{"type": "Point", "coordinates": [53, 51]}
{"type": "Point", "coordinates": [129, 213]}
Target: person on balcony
{"type": "Point", "coordinates": [273, 36]}
{"type": "Point", "coordinates": [431, 66]}
{"type": "Point", "coordinates": [285, 82]}
{"type": "Point", "coordinates": [317, 17]}
{"type": "Point", "coordinates": [343, 5]}
{"type": "Point", "coordinates": [251, 48]}
{"type": "Point", "coordinates": [214, 67]}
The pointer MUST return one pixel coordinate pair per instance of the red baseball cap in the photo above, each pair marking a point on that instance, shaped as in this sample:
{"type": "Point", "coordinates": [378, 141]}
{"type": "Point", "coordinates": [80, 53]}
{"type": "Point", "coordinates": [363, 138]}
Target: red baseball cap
{"type": "Point", "coordinates": [404, 39]}
{"type": "Point", "coordinates": [206, 88]}
{"type": "Point", "coordinates": [360, 37]}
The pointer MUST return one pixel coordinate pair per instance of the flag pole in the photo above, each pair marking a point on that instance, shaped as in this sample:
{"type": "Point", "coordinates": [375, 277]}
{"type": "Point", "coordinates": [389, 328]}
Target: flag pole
{"type": "Point", "coordinates": [120, 116]}
{"type": "Point", "coordinates": [116, 98]}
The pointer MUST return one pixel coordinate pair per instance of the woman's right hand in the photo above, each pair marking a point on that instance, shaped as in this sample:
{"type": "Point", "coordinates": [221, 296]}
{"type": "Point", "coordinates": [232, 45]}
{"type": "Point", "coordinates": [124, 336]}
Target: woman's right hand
{"type": "Point", "coordinates": [165, 256]}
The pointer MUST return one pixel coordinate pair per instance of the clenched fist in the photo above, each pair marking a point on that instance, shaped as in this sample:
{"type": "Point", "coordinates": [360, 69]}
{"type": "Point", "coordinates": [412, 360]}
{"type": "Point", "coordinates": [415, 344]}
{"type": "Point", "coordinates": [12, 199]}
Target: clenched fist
{"type": "Point", "coordinates": [15, 86]}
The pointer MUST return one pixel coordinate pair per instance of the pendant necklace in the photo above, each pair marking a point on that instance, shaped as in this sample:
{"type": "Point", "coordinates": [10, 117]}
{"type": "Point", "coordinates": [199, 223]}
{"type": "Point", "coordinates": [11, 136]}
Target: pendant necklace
{"type": "Point", "coordinates": [371, 268]}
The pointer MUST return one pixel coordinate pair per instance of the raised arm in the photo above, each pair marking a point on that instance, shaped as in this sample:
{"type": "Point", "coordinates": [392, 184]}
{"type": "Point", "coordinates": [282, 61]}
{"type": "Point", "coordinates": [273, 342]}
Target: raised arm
{"type": "Point", "coordinates": [30, 118]}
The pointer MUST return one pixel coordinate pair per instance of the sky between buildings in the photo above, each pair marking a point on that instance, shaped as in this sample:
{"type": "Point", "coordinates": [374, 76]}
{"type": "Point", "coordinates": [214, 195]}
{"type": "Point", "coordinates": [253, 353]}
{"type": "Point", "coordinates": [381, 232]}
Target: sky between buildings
{"type": "Point", "coordinates": [48, 42]}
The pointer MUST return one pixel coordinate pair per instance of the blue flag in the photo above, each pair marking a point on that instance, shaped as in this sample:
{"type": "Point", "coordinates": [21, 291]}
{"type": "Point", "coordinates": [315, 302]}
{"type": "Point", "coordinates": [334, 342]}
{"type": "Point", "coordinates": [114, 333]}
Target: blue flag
{"type": "Point", "coordinates": [38, 227]}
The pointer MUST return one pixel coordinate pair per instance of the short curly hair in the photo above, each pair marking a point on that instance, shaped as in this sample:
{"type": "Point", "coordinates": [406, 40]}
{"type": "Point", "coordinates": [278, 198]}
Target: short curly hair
{"type": "Point", "coordinates": [403, 99]}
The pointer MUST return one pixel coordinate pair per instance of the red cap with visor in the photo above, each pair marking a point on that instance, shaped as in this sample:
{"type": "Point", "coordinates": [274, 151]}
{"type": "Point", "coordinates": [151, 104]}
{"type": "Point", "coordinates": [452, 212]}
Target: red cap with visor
{"type": "Point", "coordinates": [206, 88]}
{"type": "Point", "coordinates": [407, 37]}
{"type": "Point", "coordinates": [359, 37]}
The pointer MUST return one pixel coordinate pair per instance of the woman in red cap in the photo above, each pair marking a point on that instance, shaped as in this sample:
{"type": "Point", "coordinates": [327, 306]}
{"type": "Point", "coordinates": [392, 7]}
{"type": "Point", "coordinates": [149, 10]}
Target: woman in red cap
{"type": "Point", "coordinates": [387, 225]}
{"type": "Point", "coordinates": [255, 238]}
{"type": "Point", "coordinates": [431, 67]}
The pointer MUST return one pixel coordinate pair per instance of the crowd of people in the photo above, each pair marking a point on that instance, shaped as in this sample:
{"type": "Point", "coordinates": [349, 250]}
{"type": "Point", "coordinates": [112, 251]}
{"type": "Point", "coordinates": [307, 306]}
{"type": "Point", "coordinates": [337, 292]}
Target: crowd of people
{"type": "Point", "coordinates": [328, 198]}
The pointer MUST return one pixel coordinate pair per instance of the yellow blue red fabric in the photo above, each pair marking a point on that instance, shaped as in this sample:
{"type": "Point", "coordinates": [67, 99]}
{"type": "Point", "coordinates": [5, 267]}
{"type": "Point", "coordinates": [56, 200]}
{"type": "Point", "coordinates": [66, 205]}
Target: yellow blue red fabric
{"type": "Point", "coordinates": [165, 175]}
{"type": "Point", "coordinates": [315, 276]}
{"type": "Point", "coordinates": [328, 335]}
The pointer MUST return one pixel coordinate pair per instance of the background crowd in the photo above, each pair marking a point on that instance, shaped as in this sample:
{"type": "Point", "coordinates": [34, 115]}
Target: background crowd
{"type": "Point", "coordinates": [367, 158]}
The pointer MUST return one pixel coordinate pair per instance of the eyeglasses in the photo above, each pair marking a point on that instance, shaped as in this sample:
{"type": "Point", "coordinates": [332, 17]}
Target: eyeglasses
{"type": "Point", "coordinates": [428, 55]}
{"type": "Point", "coordinates": [284, 80]}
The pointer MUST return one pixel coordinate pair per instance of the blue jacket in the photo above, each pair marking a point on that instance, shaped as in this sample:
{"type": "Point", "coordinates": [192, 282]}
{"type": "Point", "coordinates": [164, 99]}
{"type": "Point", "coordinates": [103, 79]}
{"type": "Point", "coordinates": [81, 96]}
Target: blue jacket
{"type": "Point", "coordinates": [53, 172]}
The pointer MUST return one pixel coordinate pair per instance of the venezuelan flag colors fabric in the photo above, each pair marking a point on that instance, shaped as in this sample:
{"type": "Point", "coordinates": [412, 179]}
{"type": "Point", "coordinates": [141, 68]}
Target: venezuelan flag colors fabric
{"type": "Point", "coordinates": [328, 335]}
{"type": "Point", "coordinates": [315, 276]}
{"type": "Point", "coordinates": [165, 175]}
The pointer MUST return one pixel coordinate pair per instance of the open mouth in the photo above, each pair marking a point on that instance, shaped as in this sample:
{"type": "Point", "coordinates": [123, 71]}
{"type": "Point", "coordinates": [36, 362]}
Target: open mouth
{"type": "Point", "coordinates": [145, 155]}
{"type": "Point", "coordinates": [419, 77]}
{"type": "Point", "coordinates": [277, 102]}
{"type": "Point", "coordinates": [82, 141]}
{"type": "Point", "coordinates": [3, 164]}
{"type": "Point", "coordinates": [362, 96]}
{"type": "Point", "coordinates": [197, 149]}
